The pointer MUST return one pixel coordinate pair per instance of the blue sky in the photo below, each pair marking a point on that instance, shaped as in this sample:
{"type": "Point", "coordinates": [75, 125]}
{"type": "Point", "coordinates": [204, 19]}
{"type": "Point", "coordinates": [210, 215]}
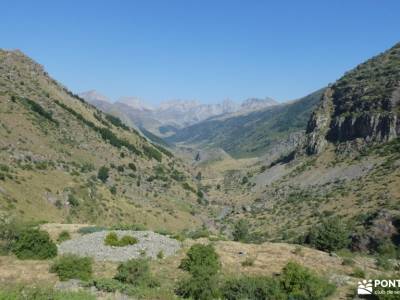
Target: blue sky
{"type": "Point", "coordinates": [204, 50]}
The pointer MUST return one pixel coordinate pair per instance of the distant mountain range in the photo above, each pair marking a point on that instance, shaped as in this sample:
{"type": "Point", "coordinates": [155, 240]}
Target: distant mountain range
{"type": "Point", "coordinates": [169, 116]}
{"type": "Point", "coordinates": [254, 133]}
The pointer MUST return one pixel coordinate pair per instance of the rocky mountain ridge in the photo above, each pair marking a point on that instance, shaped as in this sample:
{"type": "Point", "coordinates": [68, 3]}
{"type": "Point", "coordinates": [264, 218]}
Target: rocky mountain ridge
{"type": "Point", "coordinates": [363, 105]}
{"type": "Point", "coordinates": [169, 115]}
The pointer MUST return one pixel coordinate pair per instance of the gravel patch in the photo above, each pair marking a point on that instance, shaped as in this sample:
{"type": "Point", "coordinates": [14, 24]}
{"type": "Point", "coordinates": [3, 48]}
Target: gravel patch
{"type": "Point", "coordinates": [92, 245]}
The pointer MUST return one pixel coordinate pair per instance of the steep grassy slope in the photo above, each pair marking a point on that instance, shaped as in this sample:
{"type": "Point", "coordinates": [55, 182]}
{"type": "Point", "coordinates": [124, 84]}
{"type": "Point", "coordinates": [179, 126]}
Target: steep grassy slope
{"type": "Point", "coordinates": [53, 146]}
{"type": "Point", "coordinates": [252, 134]}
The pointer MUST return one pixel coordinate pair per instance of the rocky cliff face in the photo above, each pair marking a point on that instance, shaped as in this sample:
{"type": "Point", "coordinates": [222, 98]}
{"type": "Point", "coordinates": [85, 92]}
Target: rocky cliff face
{"type": "Point", "coordinates": [318, 125]}
{"type": "Point", "coordinates": [378, 127]}
{"type": "Point", "coordinates": [362, 105]}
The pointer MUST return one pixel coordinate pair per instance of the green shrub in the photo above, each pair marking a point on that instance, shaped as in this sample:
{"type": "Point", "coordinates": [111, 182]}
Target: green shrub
{"type": "Point", "coordinates": [254, 288]}
{"type": "Point", "coordinates": [199, 288]}
{"type": "Point", "coordinates": [347, 261]}
{"type": "Point", "coordinates": [188, 187]}
{"type": "Point", "coordinates": [110, 285]}
{"type": "Point", "coordinates": [9, 231]}
{"type": "Point", "coordinates": [160, 254]}
{"type": "Point", "coordinates": [4, 168]}
{"type": "Point", "coordinates": [91, 229]}
{"type": "Point", "coordinates": [359, 273]}
{"type": "Point", "coordinates": [113, 190]}
{"type": "Point", "coordinates": [72, 267]}
{"type": "Point", "coordinates": [72, 200]}
{"type": "Point", "coordinates": [116, 121]}
{"type": "Point", "coordinates": [387, 248]}
{"type": "Point", "coordinates": [87, 167]}
{"type": "Point", "coordinates": [300, 283]}
{"type": "Point", "coordinates": [127, 240]}
{"type": "Point", "coordinates": [135, 272]}
{"type": "Point", "coordinates": [241, 230]}
{"type": "Point", "coordinates": [63, 236]}
{"type": "Point", "coordinates": [132, 166]}
{"type": "Point", "coordinates": [331, 235]}
{"type": "Point", "coordinates": [37, 108]}
{"type": "Point", "coordinates": [34, 244]}
{"type": "Point", "coordinates": [198, 233]}
{"type": "Point", "coordinates": [151, 152]}
{"type": "Point", "coordinates": [201, 260]}
{"type": "Point", "coordinates": [383, 263]}
{"type": "Point", "coordinates": [103, 174]}
{"type": "Point", "coordinates": [134, 227]}
{"type": "Point", "coordinates": [112, 240]}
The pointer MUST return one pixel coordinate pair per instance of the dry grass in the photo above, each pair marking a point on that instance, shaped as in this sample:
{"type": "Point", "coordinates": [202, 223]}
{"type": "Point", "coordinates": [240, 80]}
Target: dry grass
{"type": "Point", "coordinates": [15, 271]}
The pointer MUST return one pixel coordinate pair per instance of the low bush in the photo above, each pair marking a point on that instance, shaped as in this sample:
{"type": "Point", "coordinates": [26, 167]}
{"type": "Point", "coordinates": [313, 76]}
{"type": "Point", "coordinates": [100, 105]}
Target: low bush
{"type": "Point", "coordinates": [359, 273]}
{"type": "Point", "coordinates": [201, 260]}
{"type": "Point", "coordinates": [199, 288]}
{"type": "Point", "coordinates": [34, 244]}
{"type": "Point", "coordinates": [160, 254]}
{"type": "Point", "coordinates": [110, 285]}
{"type": "Point", "coordinates": [188, 187]}
{"type": "Point", "coordinates": [9, 230]}
{"type": "Point", "coordinates": [134, 227]}
{"type": "Point", "coordinates": [112, 240]}
{"type": "Point", "coordinates": [257, 288]}
{"type": "Point", "coordinates": [72, 267]}
{"type": "Point", "coordinates": [73, 201]}
{"type": "Point", "coordinates": [198, 233]}
{"type": "Point", "coordinates": [91, 229]}
{"type": "Point", "coordinates": [330, 235]}
{"type": "Point", "coordinates": [388, 249]}
{"type": "Point", "coordinates": [36, 107]}
{"type": "Point", "coordinates": [383, 263]}
{"type": "Point", "coordinates": [63, 236]}
{"type": "Point", "coordinates": [241, 230]}
{"type": "Point", "coordinates": [300, 283]}
{"type": "Point", "coordinates": [347, 261]}
{"type": "Point", "coordinates": [103, 174]}
{"type": "Point", "coordinates": [152, 152]}
{"type": "Point", "coordinates": [136, 272]}
{"type": "Point", "coordinates": [127, 240]}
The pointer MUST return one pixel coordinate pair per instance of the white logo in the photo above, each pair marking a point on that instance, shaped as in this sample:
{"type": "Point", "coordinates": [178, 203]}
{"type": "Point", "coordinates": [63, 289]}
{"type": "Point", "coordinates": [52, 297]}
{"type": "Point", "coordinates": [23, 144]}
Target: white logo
{"type": "Point", "coordinates": [364, 287]}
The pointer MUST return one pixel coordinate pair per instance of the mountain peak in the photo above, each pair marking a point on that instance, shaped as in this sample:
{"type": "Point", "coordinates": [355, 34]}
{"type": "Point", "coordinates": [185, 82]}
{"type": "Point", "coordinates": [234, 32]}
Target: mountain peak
{"type": "Point", "coordinates": [134, 102]}
{"type": "Point", "coordinates": [94, 95]}
{"type": "Point", "coordinates": [257, 103]}
{"type": "Point", "coordinates": [179, 104]}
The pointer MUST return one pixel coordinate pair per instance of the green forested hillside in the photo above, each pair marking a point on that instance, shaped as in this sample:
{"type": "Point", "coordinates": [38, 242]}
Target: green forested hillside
{"type": "Point", "coordinates": [251, 134]}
